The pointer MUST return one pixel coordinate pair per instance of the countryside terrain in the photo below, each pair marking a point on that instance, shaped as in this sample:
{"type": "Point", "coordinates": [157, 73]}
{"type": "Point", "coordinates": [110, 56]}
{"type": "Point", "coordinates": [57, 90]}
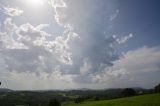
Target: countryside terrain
{"type": "Point", "coordinates": [108, 97]}
{"type": "Point", "coordinates": [143, 100]}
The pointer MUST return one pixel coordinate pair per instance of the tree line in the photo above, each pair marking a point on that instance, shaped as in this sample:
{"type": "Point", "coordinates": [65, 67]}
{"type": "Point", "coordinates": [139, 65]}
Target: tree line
{"type": "Point", "coordinates": [127, 92]}
{"type": "Point", "coordinates": [55, 99]}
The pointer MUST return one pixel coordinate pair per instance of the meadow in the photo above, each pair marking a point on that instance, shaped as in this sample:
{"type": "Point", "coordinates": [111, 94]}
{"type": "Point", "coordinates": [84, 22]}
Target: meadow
{"type": "Point", "coordinates": [142, 100]}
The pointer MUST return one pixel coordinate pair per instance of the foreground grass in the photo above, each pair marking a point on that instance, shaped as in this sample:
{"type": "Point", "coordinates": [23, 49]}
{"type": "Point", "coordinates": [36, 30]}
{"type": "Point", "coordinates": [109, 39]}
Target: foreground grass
{"type": "Point", "coordinates": [143, 100]}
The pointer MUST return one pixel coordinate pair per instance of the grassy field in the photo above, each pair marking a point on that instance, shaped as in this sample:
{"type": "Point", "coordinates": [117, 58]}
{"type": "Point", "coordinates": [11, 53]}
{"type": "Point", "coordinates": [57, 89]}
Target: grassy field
{"type": "Point", "coordinates": [143, 100]}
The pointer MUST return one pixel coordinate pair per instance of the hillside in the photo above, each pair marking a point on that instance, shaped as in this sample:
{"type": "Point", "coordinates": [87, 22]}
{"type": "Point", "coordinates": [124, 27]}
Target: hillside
{"type": "Point", "coordinates": [143, 100]}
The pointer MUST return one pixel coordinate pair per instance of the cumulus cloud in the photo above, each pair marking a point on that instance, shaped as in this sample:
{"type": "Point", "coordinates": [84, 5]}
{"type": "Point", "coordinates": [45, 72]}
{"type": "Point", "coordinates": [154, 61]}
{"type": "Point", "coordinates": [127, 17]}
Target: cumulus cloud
{"type": "Point", "coordinates": [83, 54]}
{"type": "Point", "coordinates": [135, 68]}
{"type": "Point", "coordinates": [6, 38]}
{"type": "Point", "coordinates": [83, 50]}
{"type": "Point", "coordinates": [13, 11]}
{"type": "Point", "coordinates": [28, 48]}
{"type": "Point", "coordinates": [89, 19]}
{"type": "Point", "coordinates": [139, 67]}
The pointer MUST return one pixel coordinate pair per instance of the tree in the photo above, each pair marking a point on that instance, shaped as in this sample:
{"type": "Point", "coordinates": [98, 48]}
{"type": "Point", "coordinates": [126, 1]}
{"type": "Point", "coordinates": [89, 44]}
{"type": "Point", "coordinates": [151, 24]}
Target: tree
{"type": "Point", "coordinates": [157, 88]}
{"type": "Point", "coordinates": [79, 100]}
{"type": "Point", "coordinates": [96, 98]}
{"type": "Point", "coordinates": [54, 102]}
{"type": "Point", "coordinates": [128, 92]}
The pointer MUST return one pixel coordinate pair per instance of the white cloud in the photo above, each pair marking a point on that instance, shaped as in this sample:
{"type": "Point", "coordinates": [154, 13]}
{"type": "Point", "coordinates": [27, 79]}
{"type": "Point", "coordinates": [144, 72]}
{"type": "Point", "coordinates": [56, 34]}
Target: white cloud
{"type": "Point", "coordinates": [30, 35]}
{"type": "Point", "coordinates": [114, 16]}
{"type": "Point", "coordinates": [6, 38]}
{"type": "Point", "coordinates": [82, 55]}
{"type": "Point", "coordinates": [139, 67]}
{"type": "Point", "coordinates": [123, 39]}
{"type": "Point", "coordinates": [58, 5]}
{"type": "Point", "coordinates": [30, 81]}
{"type": "Point", "coordinates": [85, 68]}
{"type": "Point", "coordinates": [84, 21]}
{"type": "Point", "coordinates": [9, 26]}
{"type": "Point", "coordinates": [28, 48]}
{"type": "Point", "coordinates": [13, 11]}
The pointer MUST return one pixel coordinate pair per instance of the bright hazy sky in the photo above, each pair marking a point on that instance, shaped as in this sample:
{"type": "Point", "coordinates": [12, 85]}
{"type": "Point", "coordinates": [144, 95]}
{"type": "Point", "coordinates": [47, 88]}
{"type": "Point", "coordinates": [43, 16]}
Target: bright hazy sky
{"type": "Point", "coordinates": [68, 44]}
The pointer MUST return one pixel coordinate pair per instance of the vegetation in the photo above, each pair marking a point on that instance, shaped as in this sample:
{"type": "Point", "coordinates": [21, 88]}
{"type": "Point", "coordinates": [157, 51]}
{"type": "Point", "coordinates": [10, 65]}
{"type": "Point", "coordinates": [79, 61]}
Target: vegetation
{"type": "Point", "coordinates": [143, 100]}
{"type": "Point", "coordinates": [128, 92]}
{"type": "Point", "coordinates": [79, 100]}
{"type": "Point", "coordinates": [96, 98]}
{"type": "Point", "coordinates": [157, 88]}
{"type": "Point", "coordinates": [79, 97]}
{"type": "Point", "coordinates": [54, 102]}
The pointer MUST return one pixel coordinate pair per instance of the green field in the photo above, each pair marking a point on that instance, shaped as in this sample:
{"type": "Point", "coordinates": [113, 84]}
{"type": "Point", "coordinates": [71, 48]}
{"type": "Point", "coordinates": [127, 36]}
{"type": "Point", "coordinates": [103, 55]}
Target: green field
{"type": "Point", "coordinates": [143, 100]}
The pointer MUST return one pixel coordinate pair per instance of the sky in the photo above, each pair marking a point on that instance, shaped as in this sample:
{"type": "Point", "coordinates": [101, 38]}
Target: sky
{"type": "Point", "coordinates": [71, 44]}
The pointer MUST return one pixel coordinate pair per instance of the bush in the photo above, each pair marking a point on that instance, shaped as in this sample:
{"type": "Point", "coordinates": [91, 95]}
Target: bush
{"type": "Point", "coordinates": [128, 92]}
{"type": "Point", "coordinates": [96, 98]}
{"type": "Point", "coordinates": [54, 102]}
{"type": "Point", "coordinates": [157, 88]}
{"type": "Point", "coordinates": [79, 100]}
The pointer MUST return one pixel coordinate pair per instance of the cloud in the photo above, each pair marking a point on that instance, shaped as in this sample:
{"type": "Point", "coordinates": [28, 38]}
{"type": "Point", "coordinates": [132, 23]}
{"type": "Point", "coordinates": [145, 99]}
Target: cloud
{"type": "Point", "coordinates": [89, 19]}
{"type": "Point", "coordinates": [27, 48]}
{"type": "Point", "coordinates": [30, 81]}
{"type": "Point", "coordinates": [9, 25]}
{"type": "Point", "coordinates": [84, 54]}
{"type": "Point", "coordinates": [86, 67]}
{"type": "Point", "coordinates": [114, 16]}
{"type": "Point", "coordinates": [83, 49]}
{"type": "Point", "coordinates": [13, 11]}
{"type": "Point", "coordinates": [136, 68]}
{"type": "Point", "coordinates": [6, 38]}
{"type": "Point", "coordinates": [123, 39]}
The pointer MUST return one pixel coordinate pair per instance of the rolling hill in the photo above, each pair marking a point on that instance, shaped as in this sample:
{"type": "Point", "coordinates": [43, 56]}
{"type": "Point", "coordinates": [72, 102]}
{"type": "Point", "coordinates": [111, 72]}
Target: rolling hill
{"type": "Point", "coordinates": [143, 100]}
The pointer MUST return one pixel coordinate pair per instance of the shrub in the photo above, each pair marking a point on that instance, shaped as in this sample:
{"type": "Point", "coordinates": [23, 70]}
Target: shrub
{"type": "Point", "coordinates": [96, 98]}
{"type": "Point", "coordinates": [157, 88]}
{"type": "Point", "coordinates": [79, 100]}
{"type": "Point", "coordinates": [128, 92]}
{"type": "Point", "coordinates": [54, 102]}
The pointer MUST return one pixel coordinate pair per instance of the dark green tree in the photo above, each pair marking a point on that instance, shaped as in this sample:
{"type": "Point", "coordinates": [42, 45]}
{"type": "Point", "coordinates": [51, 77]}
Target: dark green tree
{"type": "Point", "coordinates": [54, 102]}
{"type": "Point", "coordinates": [79, 100]}
{"type": "Point", "coordinates": [96, 98]}
{"type": "Point", "coordinates": [128, 92]}
{"type": "Point", "coordinates": [157, 88]}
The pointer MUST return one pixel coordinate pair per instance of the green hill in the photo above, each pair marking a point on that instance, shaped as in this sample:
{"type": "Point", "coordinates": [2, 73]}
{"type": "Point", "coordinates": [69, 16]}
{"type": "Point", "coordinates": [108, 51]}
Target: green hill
{"type": "Point", "coordinates": [143, 100]}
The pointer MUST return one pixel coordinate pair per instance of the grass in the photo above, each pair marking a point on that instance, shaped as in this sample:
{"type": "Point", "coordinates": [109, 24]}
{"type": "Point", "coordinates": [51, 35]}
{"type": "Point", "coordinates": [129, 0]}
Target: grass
{"type": "Point", "coordinates": [143, 100]}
